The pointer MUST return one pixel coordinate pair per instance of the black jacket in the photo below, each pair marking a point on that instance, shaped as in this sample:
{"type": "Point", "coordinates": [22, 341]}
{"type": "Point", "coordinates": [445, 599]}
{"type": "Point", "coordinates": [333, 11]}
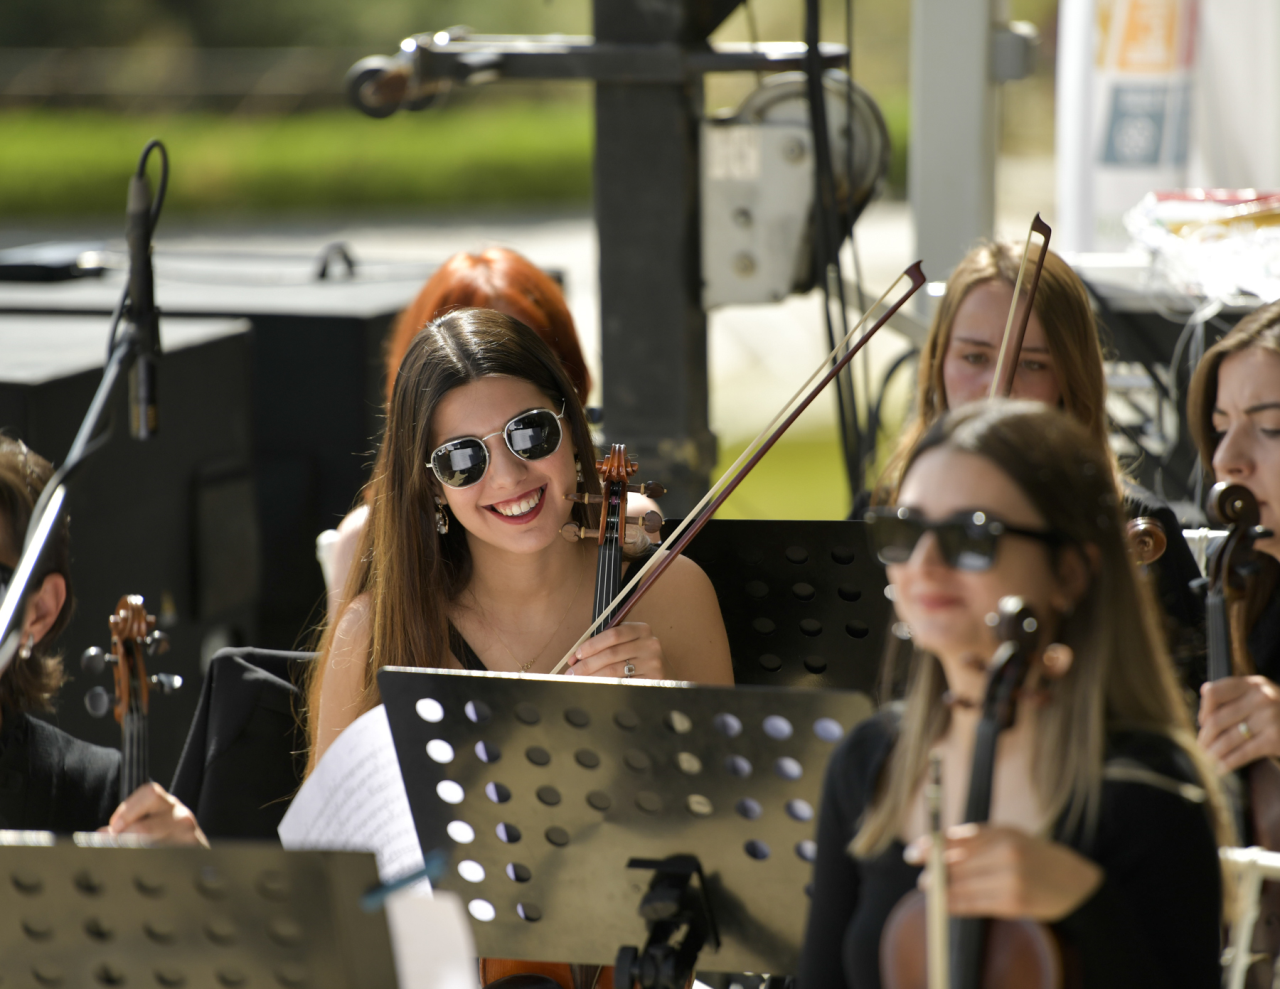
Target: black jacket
{"type": "Point", "coordinates": [51, 781]}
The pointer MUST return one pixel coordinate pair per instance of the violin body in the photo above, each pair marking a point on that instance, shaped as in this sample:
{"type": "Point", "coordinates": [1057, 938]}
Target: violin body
{"type": "Point", "coordinates": [1017, 954]}
{"type": "Point", "coordinates": [561, 973]}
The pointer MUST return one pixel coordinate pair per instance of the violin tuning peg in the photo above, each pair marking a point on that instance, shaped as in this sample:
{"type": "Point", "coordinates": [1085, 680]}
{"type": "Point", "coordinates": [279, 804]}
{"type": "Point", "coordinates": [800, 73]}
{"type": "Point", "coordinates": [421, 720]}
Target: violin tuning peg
{"type": "Point", "coordinates": [652, 522]}
{"type": "Point", "coordinates": [650, 489]}
{"type": "Point", "coordinates": [93, 660]}
{"type": "Point", "coordinates": [157, 642]}
{"type": "Point", "coordinates": [97, 702]}
{"type": "Point", "coordinates": [167, 682]}
{"type": "Point", "coordinates": [573, 532]}
{"type": "Point", "coordinates": [586, 499]}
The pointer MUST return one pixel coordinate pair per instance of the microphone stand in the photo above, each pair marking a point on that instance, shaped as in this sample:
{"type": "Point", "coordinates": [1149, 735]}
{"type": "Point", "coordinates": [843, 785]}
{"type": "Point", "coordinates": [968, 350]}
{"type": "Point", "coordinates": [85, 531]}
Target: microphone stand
{"type": "Point", "coordinates": [50, 509]}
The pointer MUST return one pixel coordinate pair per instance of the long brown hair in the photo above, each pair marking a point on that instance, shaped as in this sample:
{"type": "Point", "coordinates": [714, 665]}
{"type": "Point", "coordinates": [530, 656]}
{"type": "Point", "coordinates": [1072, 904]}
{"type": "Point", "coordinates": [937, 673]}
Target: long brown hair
{"type": "Point", "coordinates": [410, 572]}
{"type": "Point", "coordinates": [30, 684]}
{"type": "Point", "coordinates": [1122, 676]}
{"type": "Point", "coordinates": [1261, 328]}
{"type": "Point", "coordinates": [499, 279]}
{"type": "Point", "coordinates": [1061, 306]}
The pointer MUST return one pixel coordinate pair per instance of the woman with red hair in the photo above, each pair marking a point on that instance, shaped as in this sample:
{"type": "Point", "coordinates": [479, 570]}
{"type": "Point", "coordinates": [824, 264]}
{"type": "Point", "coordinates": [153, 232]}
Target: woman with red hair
{"type": "Point", "coordinates": [497, 278]}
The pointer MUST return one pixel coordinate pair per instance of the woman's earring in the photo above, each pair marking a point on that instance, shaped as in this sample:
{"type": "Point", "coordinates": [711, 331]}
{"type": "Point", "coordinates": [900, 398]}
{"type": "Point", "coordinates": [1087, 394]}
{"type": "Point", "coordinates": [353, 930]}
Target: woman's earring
{"type": "Point", "coordinates": [578, 464]}
{"type": "Point", "coordinates": [24, 653]}
{"type": "Point", "coordinates": [442, 519]}
{"type": "Point", "coordinates": [1058, 658]}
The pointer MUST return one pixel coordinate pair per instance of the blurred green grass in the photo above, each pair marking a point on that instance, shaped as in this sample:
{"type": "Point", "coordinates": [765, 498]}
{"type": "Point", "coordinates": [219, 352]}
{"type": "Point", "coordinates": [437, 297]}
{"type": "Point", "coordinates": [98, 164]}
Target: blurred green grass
{"type": "Point", "coordinates": [76, 162]}
{"type": "Point", "coordinates": [802, 477]}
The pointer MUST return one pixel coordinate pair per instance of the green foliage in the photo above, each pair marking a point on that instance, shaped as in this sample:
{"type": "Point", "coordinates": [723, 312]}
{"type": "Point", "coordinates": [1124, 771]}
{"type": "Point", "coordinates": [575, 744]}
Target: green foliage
{"type": "Point", "coordinates": [77, 162]}
{"type": "Point", "coordinates": [770, 491]}
{"type": "Point", "coordinates": [250, 23]}
{"type": "Point", "coordinates": [895, 105]}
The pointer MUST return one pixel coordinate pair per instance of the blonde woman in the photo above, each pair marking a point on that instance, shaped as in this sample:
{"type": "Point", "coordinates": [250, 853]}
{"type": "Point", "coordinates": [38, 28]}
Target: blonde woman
{"type": "Point", "coordinates": [1104, 818]}
{"type": "Point", "coordinates": [1060, 365]}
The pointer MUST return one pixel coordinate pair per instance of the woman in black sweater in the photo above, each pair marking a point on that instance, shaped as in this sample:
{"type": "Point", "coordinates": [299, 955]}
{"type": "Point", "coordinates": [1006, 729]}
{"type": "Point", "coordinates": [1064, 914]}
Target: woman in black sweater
{"type": "Point", "coordinates": [1104, 821]}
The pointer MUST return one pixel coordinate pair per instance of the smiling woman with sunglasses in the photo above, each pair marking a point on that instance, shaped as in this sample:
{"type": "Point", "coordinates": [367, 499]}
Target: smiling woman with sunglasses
{"type": "Point", "coordinates": [1104, 816]}
{"type": "Point", "coordinates": [462, 563]}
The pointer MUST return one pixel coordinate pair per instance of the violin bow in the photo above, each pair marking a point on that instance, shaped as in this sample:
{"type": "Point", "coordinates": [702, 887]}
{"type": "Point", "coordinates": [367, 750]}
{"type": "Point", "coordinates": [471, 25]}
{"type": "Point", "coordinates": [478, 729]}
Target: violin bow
{"type": "Point", "coordinates": [1011, 343]}
{"type": "Point", "coordinates": [674, 544]}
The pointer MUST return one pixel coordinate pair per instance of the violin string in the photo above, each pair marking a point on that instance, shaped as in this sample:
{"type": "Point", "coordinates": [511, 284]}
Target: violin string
{"type": "Point", "coordinates": [729, 473]}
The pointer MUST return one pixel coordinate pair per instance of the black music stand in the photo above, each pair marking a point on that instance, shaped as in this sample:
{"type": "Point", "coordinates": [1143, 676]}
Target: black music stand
{"type": "Point", "coordinates": [559, 801]}
{"type": "Point", "coordinates": [93, 913]}
{"type": "Point", "coordinates": [802, 600]}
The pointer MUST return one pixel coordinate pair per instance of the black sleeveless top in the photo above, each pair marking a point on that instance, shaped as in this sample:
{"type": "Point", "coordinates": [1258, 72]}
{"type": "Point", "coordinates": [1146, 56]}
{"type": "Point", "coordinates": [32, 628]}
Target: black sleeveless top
{"type": "Point", "coordinates": [470, 660]}
{"type": "Point", "coordinates": [52, 781]}
{"type": "Point", "coordinates": [1153, 921]}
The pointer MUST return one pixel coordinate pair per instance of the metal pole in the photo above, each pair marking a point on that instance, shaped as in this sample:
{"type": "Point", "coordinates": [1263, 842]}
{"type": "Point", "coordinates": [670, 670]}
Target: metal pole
{"type": "Point", "coordinates": [653, 327]}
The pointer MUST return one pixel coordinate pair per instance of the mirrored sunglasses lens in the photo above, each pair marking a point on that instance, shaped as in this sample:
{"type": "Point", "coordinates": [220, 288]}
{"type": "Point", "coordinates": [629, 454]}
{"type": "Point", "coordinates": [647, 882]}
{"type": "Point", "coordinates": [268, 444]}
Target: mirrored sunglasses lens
{"type": "Point", "coordinates": [965, 548]}
{"type": "Point", "coordinates": [534, 435]}
{"type": "Point", "coordinates": [894, 538]}
{"type": "Point", "coordinates": [460, 464]}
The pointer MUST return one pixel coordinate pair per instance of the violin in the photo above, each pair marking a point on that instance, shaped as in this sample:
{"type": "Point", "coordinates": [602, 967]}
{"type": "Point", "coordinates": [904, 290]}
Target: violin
{"type": "Point", "coordinates": [133, 638]}
{"type": "Point", "coordinates": [1226, 586]}
{"type": "Point", "coordinates": [616, 527]}
{"type": "Point", "coordinates": [984, 953]}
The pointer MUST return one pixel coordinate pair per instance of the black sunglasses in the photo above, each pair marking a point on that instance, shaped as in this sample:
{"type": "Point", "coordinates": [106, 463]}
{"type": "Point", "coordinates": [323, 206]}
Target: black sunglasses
{"type": "Point", "coordinates": [967, 540]}
{"type": "Point", "coordinates": [531, 435]}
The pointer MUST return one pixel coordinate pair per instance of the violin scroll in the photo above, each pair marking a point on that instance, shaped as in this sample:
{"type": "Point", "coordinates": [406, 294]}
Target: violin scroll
{"type": "Point", "coordinates": [1230, 505]}
{"type": "Point", "coordinates": [1147, 540]}
{"type": "Point", "coordinates": [1015, 622]}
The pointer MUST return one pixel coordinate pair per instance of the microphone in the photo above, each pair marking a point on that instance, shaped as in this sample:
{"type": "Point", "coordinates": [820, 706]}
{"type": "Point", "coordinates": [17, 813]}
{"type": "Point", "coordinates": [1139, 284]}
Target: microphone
{"type": "Point", "coordinates": [144, 415]}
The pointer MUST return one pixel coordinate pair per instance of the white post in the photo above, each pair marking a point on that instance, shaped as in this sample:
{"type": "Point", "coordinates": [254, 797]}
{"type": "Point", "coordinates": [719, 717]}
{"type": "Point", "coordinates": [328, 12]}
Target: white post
{"type": "Point", "coordinates": [951, 173]}
{"type": "Point", "coordinates": [1073, 118]}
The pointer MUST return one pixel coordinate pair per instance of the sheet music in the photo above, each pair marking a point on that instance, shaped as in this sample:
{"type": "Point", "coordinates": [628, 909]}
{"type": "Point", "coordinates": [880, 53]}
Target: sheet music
{"type": "Point", "coordinates": [355, 800]}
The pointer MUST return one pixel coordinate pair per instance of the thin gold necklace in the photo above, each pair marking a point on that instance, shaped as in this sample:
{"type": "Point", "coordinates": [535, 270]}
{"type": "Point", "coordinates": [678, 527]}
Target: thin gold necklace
{"type": "Point", "coordinates": [525, 667]}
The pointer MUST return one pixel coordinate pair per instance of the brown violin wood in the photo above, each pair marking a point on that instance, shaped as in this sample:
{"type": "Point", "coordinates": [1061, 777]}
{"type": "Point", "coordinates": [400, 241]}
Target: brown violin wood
{"type": "Point", "coordinates": [1018, 954]}
{"type": "Point", "coordinates": [1147, 540]}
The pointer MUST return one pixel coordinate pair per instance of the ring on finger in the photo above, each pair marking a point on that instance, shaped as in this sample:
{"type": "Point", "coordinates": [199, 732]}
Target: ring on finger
{"type": "Point", "coordinates": [1244, 729]}
{"type": "Point", "coordinates": [629, 670]}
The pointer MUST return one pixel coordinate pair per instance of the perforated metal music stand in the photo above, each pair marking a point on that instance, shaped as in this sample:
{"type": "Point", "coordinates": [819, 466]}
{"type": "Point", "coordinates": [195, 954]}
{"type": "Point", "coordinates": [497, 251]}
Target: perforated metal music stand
{"type": "Point", "coordinates": [802, 600]}
{"type": "Point", "coordinates": [542, 789]}
{"type": "Point", "coordinates": [239, 915]}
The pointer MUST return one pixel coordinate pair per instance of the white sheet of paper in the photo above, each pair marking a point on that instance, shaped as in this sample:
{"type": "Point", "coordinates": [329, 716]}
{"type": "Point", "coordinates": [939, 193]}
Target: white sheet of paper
{"type": "Point", "coordinates": [355, 800]}
{"type": "Point", "coordinates": [432, 941]}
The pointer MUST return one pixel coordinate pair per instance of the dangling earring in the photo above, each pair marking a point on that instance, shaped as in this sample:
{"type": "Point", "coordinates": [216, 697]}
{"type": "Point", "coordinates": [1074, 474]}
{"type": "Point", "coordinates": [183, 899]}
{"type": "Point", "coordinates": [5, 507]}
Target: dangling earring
{"type": "Point", "coordinates": [24, 653]}
{"type": "Point", "coordinates": [578, 464]}
{"type": "Point", "coordinates": [1057, 659]}
{"type": "Point", "coordinates": [442, 519]}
